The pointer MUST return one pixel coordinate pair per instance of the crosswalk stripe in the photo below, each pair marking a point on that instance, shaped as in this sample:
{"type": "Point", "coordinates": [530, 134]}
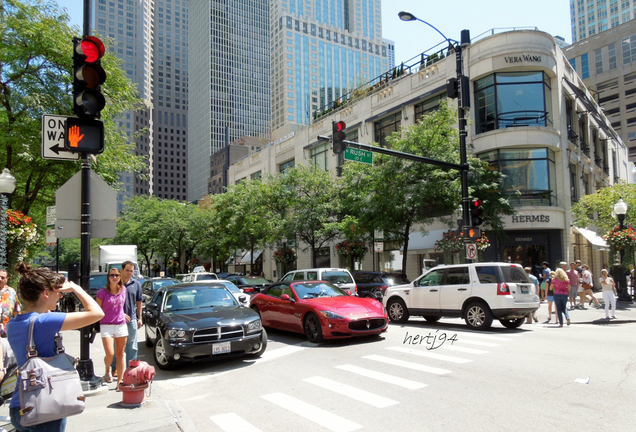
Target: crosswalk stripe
{"type": "Point", "coordinates": [312, 413]}
{"type": "Point", "coordinates": [463, 349]}
{"type": "Point", "coordinates": [276, 353]}
{"type": "Point", "coordinates": [481, 336]}
{"type": "Point", "coordinates": [232, 422]}
{"type": "Point", "coordinates": [429, 354]}
{"type": "Point", "coordinates": [352, 392]}
{"type": "Point", "coordinates": [380, 376]}
{"type": "Point", "coordinates": [408, 365]}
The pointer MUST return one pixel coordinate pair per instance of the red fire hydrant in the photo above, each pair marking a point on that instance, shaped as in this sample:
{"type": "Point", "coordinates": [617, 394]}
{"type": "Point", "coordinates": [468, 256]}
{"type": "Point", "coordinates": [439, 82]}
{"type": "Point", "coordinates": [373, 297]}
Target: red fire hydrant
{"type": "Point", "coordinates": [137, 379]}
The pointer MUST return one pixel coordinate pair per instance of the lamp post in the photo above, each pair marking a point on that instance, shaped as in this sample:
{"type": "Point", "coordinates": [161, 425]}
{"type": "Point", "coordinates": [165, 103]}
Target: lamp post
{"type": "Point", "coordinates": [463, 101]}
{"type": "Point", "coordinates": [174, 258]}
{"type": "Point", "coordinates": [282, 265]}
{"type": "Point", "coordinates": [620, 208]}
{"type": "Point", "coordinates": [7, 186]}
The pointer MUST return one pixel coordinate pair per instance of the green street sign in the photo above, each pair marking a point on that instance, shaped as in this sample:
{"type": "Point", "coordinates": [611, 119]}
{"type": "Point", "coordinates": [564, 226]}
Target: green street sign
{"type": "Point", "coordinates": [356, 155]}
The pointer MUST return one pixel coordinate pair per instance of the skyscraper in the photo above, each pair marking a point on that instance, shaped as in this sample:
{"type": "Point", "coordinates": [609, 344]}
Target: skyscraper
{"type": "Point", "coordinates": [229, 83]}
{"type": "Point", "coordinates": [589, 17]}
{"type": "Point", "coordinates": [321, 50]}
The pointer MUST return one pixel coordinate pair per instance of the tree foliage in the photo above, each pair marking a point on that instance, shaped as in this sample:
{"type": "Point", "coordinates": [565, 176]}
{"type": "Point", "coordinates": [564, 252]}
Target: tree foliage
{"type": "Point", "coordinates": [597, 210]}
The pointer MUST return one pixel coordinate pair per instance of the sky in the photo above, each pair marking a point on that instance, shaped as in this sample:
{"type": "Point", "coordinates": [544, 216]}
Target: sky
{"type": "Point", "coordinates": [412, 38]}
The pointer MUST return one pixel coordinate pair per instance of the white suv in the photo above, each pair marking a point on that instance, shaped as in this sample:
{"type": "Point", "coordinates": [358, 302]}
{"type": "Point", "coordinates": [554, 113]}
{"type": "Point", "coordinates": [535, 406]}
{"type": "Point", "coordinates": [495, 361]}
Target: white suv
{"type": "Point", "coordinates": [337, 276]}
{"type": "Point", "coordinates": [477, 292]}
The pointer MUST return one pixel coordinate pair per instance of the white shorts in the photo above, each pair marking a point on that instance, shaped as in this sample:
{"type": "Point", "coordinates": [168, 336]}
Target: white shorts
{"type": "Point", "coordinates": [113, 330]}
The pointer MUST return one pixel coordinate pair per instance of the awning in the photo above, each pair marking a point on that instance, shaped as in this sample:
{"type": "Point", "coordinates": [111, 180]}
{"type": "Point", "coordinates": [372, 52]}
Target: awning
{"type": "Point", "coordinates": [596, 240]}
{"type": "Point", "coordinates": [419, 242]}
{"type": "Point", "coordinates": [247, 258]}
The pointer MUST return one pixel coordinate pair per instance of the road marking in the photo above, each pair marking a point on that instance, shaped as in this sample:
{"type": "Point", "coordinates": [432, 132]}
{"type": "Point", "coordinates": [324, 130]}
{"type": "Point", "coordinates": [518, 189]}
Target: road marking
{"type": "Point", "coordinates": [408, 365]}
{"type": "Point", "coordinates": [352, 392]}
{"type": "Point", "coordinates": [482, 336]}
{"type": "Point", "coordinates": [379, 376]}
{"type": "Point", "coordinates": [429, 354]}
{"type": "Point", "coordinates": [463, 349]}
{"type": "Point", "coordinates": [186, 381]}
{"type": "Point", "coordinates": [231, 422]}
{"type": "Point", "coordinates": [277, 353]}
{"type": "Point", "coordinates": [312, 413]}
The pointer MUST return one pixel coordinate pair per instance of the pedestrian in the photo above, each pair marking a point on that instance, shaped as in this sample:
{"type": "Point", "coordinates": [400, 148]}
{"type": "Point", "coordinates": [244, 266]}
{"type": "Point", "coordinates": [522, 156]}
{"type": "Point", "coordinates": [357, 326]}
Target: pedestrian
{"type": "Point", "coordinates": [40, 289]}
{"type": "Point", "coordinates": [587, 284]}
{"type": "Point", "coordinates": [545, 279]}
{"type": "Point", "coordinates": [133, 313]}
{"type": "Point", "coordinates": [9, 302]}
{"type": "Point", "coordinates": [609, 293]}
{"type": "Point", "coordinates": [113, 326]}
{"type": "Point", "coordinates": [579, 267]}
{"type": "Point", "coordinates": [561, 286]}
{"type": "Point", "coordinates": [573, 275]}
{"type": "Point", "coordinates": [550, 296]}
{"type": "Point", "coordinates": [535, 287]}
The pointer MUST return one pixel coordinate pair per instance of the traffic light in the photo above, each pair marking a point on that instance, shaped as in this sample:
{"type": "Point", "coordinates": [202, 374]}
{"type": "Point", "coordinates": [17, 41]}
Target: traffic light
{"type": "Point", "coordinates": [338, 136]}
{"type": "Point", "coordinates": [476, 212]}
{"type": "Point", "coordinates": [84, 135]}
{"type": "Point", "coordinates": [473, 233]}
{"type": "Point", "coordinates": [88, 76]}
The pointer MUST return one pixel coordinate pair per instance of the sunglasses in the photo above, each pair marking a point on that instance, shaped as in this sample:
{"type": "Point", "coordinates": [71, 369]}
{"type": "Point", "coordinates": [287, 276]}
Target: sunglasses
{"type": "Point", "coordinates": [113, 275]}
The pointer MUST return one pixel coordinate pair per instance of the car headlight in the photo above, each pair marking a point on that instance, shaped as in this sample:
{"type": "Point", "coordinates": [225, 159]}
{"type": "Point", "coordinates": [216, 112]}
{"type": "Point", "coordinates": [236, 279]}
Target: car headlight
{"type": "Point", "coordinates": [254, 326]}
{"type": "Point", "coordinates": [331, 315]}
{"type": "Point", "coordinates": [176, 334]}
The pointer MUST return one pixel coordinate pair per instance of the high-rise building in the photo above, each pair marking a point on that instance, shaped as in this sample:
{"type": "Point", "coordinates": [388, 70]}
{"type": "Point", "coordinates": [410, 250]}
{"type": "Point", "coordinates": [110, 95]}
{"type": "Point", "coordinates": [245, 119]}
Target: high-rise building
{"type": "Point", "coordinates": [229, 50]}
{"type": "Point", "coordinates": [150, 38]}
{"type": "Point", "coordinates": [321, 51]}
{"type": "Point", "coordinates": [589, 17]}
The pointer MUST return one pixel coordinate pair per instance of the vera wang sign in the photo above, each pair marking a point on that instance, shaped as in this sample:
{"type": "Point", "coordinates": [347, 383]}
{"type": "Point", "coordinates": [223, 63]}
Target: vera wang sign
{"type": "Point", "coordinates": [526, 58]}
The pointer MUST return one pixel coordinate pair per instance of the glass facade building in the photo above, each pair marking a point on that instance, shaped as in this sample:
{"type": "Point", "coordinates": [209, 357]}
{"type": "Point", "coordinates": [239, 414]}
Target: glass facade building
{"type": "Point", "coordinates": [589, 17]}
{"type": "Point", "coordinates": [231, 88]}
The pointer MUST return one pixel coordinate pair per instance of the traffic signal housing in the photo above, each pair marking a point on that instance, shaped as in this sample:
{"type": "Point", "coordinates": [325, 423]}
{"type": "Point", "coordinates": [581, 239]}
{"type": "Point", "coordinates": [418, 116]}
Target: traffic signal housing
{"type": "Point", "coordinates": [84, 135]}
{"type": "Point", "coordinates": [473, 233]}
{"type": "Point", "coordinates": [338, 136]}
{"type": "Point", "coordinates": [476, 212]}
{"type": "Point", "coordinates": [88, 76]}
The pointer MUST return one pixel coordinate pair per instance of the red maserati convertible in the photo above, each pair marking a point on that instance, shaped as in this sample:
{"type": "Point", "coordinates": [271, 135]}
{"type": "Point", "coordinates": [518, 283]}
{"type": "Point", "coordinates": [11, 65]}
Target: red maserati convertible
{"type": "Point", "coordinates": [319, 310]}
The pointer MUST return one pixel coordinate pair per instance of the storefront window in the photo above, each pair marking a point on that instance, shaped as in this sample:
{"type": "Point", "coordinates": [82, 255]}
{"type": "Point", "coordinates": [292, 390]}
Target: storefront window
{"type": "Point", "coordinates": [512, 99]}
{"type": "Point", "coordinates": [530, 175]}
{"type": "Point", "coordinates": [319, 155]}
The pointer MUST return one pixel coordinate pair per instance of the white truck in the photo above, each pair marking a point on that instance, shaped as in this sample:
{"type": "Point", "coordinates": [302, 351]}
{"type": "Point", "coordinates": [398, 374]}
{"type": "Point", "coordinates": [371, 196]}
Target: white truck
{"type": "Point", "coordinates": [105, 257]}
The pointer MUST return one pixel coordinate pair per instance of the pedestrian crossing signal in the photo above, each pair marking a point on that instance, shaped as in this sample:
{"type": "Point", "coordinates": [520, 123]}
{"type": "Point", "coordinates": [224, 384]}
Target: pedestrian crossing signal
{"type": "Point", "coordinates": [84, 135]}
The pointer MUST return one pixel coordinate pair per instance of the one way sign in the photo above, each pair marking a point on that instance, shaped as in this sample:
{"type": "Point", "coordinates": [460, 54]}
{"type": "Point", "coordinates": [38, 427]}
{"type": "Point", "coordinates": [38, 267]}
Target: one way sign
{"type": "Point", "coordinates": [53, 138]}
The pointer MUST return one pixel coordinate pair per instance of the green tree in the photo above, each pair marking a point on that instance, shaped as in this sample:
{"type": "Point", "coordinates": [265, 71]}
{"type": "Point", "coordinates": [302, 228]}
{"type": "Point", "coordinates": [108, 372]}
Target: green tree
{"type": "Point", "coordinates": [597, 210]}
{"type": "Point", "coordinates": [35, 79]}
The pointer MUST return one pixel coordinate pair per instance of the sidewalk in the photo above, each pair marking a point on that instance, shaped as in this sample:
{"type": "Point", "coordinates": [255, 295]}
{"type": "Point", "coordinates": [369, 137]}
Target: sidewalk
{"type": "Point", "coordinates": [625, 313]}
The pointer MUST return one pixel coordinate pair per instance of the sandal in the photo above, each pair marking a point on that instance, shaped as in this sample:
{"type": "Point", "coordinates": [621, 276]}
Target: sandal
{"type": "Point", "coordinates": [108, 378]}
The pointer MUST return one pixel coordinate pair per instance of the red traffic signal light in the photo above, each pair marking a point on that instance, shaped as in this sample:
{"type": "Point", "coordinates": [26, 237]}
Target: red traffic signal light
{"type": "Point", "coordinates": [338, 136]}
{"type": "Point", "coordinates": [88, 76]}
{"type": "Point", "coordinates": [476, 212]}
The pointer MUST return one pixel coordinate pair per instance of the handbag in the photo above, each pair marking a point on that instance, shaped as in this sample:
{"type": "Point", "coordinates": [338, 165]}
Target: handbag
{"type": "Point", "coordinates": [50, 387]}
{"type": "Point", "coordinates": [586, 285]}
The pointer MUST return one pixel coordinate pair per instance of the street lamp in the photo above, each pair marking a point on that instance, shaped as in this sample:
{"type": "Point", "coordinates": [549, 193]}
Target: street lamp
{"type": "Point", "coordinates": [463, 102]}
{"type": "Point", "coordinates": [7, 186]}
{"type": "Point", "coordinates": [282, 266]}
{"type": "Point", "coordinates": [620, 208]}
{"type": "Point", "coordinates": [174, 256]}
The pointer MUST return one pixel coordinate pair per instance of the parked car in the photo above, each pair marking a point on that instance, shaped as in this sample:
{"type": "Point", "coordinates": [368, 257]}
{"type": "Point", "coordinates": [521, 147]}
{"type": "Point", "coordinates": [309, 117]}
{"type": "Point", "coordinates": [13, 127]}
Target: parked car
{"type": "Point", "coordinates": [337, 276]}
{"type": "Point", "coordinates": [374, 284]}
{"type": "Point", "coordinates": [193, 277]}
{"type": "Point", "coordinates": [97, 281]}
{"type": "Point", "coordinates": [477, 292]}
{"type": "Point", "coordinates": [150, 286]}
{"type": "Point", "coordinates": [249, 284]}
{"type": "Point", "coordinates": [242, 298]}
{"type": "Point", "coordinates": [318, 309]}
{"type": "Point", "coordinates": [200, 321]}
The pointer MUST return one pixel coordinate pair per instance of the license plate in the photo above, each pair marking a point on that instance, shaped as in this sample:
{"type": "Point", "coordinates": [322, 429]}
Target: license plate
{"type": "Point", "coordinates": [221, 348]}
{"type": "Point", "coordinates": [524, 290]}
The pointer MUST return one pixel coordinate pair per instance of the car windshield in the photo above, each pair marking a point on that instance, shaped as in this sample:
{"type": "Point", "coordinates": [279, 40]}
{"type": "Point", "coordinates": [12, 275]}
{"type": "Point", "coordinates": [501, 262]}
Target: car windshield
{"type": "Point", "coordinates": [231, 287]}
{"type": "Point", "coordinates": [308, 290]}
{"type": "Point", "coordinates": [396, 279]}
{"type": "Point", "coordinates": [198, 297]}
{"type": "Point", "coordinates": [253, 280]}
{"type": "Point", "coordinates": [162, 283]}
{"type": "Point", "coordinates": [336, 276]}
{"type": "Point", "coordinates": [205, 277]}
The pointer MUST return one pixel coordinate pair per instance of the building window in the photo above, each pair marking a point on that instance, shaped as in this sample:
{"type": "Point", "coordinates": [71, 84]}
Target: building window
{"type": "Point", "coordinates": [598, 60]}
{"type": "Point", "coordinates": [282, 168]}
{"type": "Point", "coordinates": [585, 66]}
{"type": "Point", "coordinates": [611, 51]}
{"type": "Point", "coordinates": [530, 175]}
{"type": "Point", "coordinates": [385, 127]}
{"type": "Point", "coordinates": [427, 106]}
{"type": "Point", "coordinates": [573, 183]}
{"type": "Point", "coordinates": [256, 176]}
{"type": "Point", "coordinates": [512, 99]}
{"type": "Point", "coordinates": [629, 49]}
{"type": "Point", "coordinates": [319, 155]}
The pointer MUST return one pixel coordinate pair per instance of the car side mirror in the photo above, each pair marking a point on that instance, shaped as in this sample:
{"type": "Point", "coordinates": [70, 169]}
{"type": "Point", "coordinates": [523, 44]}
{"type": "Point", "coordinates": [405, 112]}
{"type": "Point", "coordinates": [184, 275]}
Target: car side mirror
{"type": "Point", "coordinates": [286, 297]}
{"type": "Point", "coordinates": [242, 299]}
{"type": "Point", "coordinates": [349, 292]}
{"type": "Point", "coordinates": [151, 306]}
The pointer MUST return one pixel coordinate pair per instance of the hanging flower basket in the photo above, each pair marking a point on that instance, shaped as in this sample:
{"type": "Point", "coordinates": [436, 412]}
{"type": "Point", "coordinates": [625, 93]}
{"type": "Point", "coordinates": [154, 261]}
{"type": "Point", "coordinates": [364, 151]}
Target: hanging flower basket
{"type": "Point", "coordinates": [352, 249]}
{"type": "Point", "coordinates": [284, 255]}
{"type": "Point", "coordinates": [21, 234]}
{"type": "Point", "coordinates": [482, 242]}
{"type": "Point", "coordinates": [451, 242]}
{"type": "Point", "coordinates": [620, 239]}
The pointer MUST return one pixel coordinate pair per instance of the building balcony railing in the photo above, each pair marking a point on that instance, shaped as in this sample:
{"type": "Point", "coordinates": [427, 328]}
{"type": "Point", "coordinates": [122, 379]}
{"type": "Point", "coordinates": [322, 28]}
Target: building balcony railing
{"type": "Point", "coordinates": [532, 198]}
{"type": "Point", "coordinates": [522, 118]}
{"type": "Point", "coordinates": [598, 161]}
{"type": "Point", "coordinates": [573, 137]}
{"type": "Point", "coordinates": [585, 148]}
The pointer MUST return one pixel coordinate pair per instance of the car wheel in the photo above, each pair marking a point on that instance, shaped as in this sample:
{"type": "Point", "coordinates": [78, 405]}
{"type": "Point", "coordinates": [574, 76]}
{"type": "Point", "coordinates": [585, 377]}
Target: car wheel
{"type": "Point", "coordinates": [478, 316]}
{"type": "Point", "coordinates": [263, 347]}
{"type": "Point", "coordinates": [396, 309]}
{"type": "Point", "coordinates": [149, 343]}
{"type": "Point", "coordinates": [512, 323]}
{"type": "Point", "coordinates": [431, 319]}
{"type": "Point", "coordinates": [163, 361]}
{"type": "Point", "coordinates": [313, 330]}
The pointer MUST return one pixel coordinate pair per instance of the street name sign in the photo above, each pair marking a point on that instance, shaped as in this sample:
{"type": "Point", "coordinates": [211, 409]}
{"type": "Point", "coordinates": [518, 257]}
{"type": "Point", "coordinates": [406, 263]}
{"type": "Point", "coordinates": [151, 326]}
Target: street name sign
{"type": "Point", "coordinates": [357, 155]}
{"type": "Point", "coordinates": [53, 127]}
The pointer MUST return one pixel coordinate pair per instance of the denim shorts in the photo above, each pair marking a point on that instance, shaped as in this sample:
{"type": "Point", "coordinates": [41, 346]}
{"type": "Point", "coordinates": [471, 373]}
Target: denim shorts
{"type": "Point", "coordinates": [550, 298]}
{"type": "Point", "coordinates": [52, 426]}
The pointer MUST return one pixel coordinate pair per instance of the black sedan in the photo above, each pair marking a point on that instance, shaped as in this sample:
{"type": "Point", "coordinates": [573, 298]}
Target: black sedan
{"type": "Point", "coordinates": [374, 284]}
{"type": "Point", "coordinates": [150, 286]}
{"type": "Point", "coordinates": [192, 322]}
{"type": "Point", "coordinates": [249, 284]}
